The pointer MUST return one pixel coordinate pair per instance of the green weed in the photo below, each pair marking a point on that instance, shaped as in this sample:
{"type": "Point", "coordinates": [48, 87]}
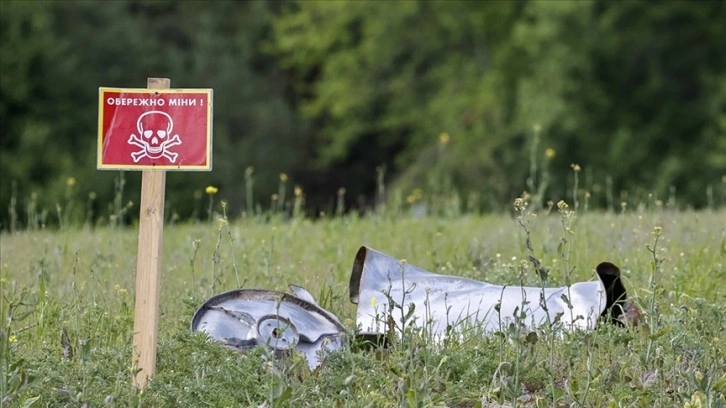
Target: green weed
{"type": "Point", "coordinates": [67, 310]}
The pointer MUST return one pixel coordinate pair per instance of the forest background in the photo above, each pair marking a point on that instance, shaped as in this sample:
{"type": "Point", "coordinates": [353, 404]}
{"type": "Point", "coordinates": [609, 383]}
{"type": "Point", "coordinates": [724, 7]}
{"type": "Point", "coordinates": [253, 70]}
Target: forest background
{"type": "Point", "coordinates": [371, 102]}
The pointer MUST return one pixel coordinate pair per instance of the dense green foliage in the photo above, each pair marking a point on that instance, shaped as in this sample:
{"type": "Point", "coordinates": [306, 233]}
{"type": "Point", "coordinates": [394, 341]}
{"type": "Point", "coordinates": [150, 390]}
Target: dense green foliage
{"type": "Point", "coordinates": [81, 282]}
{"type": "Point", "coordinates": [437, 95]}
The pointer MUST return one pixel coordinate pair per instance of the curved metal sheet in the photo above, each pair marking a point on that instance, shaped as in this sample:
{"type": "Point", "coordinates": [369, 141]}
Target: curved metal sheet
{"type": "Point", "coordinates": [384, 288]}
{"type": "Point", "coordinates": [247, 318]}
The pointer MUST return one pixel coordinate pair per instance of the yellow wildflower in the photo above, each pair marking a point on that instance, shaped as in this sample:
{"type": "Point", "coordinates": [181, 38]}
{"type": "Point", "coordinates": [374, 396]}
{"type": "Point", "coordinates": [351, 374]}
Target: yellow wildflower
{"type": "Point", "coordinates": [211, 190]}
{"type": "Point", "coordinates": [549, 153]}
{"type": "Point", "coordinates": [71, 181]}
{"type": "Point", "coordinates": [444, 138]}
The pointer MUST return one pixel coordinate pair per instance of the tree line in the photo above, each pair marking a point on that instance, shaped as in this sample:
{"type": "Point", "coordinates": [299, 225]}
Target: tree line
{"type": "Point", "coordinates": [481, 100]}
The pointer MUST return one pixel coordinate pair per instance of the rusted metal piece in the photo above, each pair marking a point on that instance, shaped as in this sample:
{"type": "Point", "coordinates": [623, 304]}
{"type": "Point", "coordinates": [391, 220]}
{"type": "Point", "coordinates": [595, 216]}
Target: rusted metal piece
{"type": "Point", "coordinates": [248, 318]}
{"type": "Point", "coordinates": [390, 292]}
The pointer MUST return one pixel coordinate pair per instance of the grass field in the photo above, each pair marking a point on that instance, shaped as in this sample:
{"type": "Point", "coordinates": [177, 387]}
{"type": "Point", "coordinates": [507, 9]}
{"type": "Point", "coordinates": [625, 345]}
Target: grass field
{"type": "Point", "coordinates": [75, 287]}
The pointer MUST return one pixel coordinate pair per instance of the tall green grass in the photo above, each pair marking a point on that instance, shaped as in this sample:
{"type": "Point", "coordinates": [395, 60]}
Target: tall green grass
{"type": "Point", "coordinates": [67, 312]}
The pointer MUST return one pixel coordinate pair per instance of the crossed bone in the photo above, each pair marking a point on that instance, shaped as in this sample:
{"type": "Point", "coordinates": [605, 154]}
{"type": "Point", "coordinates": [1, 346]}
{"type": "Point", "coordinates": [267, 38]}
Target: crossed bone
{"type": "Point", "coordinates": [144, 145]}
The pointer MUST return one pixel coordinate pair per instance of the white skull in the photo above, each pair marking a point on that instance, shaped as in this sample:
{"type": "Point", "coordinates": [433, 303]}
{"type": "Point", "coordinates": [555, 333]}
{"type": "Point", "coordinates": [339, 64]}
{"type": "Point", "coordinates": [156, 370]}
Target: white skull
{"type": "Point", "coordinates": [154, 137]}
{"type": "Point", "coordinates": [155, 127]}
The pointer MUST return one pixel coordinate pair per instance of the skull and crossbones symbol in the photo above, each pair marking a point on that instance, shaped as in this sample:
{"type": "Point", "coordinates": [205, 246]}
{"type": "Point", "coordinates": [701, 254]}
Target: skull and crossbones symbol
{"type": "Point", "coordinates": [154, 138]}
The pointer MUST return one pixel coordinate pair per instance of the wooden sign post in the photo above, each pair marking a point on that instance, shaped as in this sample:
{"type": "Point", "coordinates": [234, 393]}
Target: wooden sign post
{"type": "Point", "coordinates": [148, 265]}
{"type": "Point", "coordinates": [154, 130]}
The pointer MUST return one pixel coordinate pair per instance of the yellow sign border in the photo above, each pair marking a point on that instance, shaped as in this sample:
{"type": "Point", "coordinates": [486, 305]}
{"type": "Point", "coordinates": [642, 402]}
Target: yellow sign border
{"type": "Point", "coordinates": [101, 100]}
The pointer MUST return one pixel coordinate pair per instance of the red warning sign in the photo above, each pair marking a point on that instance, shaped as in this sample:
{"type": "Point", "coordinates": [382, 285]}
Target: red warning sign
{"type": "Point", "coordinates": [142, 129]}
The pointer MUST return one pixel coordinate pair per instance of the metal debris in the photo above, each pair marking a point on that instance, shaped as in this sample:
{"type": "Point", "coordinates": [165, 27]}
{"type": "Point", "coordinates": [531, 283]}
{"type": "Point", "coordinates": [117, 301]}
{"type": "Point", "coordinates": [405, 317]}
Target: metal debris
{"type": "Point", "coordinates": [392, 295]}
{"type": "Point", "coordinates": [247, 318]}
{"type": "Point", "coordinates": [384, 287]}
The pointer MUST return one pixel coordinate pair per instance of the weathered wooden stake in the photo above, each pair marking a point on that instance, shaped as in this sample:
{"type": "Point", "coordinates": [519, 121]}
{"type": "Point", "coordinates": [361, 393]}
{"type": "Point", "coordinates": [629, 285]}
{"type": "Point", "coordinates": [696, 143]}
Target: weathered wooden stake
{"type": "Point", "coordinates": [148, 265]}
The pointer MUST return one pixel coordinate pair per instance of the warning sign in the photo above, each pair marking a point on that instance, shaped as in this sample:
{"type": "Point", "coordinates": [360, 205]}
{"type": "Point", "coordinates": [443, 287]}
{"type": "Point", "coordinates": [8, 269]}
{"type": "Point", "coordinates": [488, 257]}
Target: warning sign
{"type": "Point", "coordinates": [141, 129]}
